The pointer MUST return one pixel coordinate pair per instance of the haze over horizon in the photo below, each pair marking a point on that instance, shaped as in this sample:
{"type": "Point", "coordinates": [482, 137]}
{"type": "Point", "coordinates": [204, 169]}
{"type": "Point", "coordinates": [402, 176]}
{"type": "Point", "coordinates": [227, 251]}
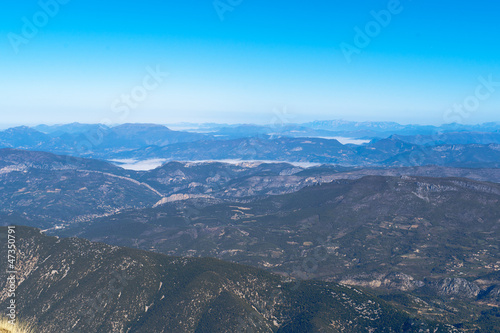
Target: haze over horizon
{"type": "Point", "coordinates": [78, 61]}
{"type": "Point", "coordinates": [179, 126]}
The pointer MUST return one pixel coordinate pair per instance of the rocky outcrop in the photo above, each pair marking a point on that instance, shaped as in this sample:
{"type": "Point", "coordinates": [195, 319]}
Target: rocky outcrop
{"type": "Point", "coordinates": [180, 197]}
{"type": "Point", "coordinates": [457, 287]}
{"type": "Point", "coordinates": [392, 281]}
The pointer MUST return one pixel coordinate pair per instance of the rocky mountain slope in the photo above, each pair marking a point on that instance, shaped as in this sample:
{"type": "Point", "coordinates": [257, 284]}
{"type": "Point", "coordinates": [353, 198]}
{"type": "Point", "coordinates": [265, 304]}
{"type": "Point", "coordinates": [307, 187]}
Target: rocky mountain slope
{"type": "Point", "coordinates": [436, 239]}
{"type": "Point", "coordinates": [72, 285]}
{"type": "Point", "coordinates": [400, 221]}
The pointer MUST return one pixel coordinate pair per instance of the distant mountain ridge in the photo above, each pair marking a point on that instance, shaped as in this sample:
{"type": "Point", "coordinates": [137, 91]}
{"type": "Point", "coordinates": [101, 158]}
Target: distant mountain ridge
{"type": "Point", "coordinates": [82, 139]}
{"type": "Point", "coordinates": [148, 141]}
{"type": "Point", "coordinates": [391, 144]}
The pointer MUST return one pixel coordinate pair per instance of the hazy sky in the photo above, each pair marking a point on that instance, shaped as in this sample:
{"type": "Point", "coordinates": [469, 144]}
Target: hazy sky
{"type": "Point", "coordinates": [249, 61]}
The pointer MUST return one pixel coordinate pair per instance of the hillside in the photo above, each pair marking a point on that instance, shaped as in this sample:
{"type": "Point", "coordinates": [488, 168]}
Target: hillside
{"type": "Point", "coordinates": [49, 189]}
{"type": "Point", "coordinates": [371, 214]}
{"type": "Point", "coordinates": [434, 238]}
{"type": "Point", "coordinates": [72, 285]}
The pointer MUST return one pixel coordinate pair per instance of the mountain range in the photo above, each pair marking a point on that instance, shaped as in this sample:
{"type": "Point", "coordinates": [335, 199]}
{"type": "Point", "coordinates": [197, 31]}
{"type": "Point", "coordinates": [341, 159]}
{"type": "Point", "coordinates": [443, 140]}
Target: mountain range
{"type": "Point", "coordinates": [53, 190]}
{"type": "Point", "coordinates": [328, 226]}
{"type": "Point", "coordinates": [389, 144]}
{"type": "Point", "coordinates": [434, 239]}
{"type": "Point", "coordinates": [72, 285]}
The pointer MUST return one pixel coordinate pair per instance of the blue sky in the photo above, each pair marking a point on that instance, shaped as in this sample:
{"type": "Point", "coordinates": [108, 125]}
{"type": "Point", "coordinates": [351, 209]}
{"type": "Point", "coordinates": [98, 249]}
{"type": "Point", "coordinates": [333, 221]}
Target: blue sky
{"type": "Point", "coordinates": [263, 57]}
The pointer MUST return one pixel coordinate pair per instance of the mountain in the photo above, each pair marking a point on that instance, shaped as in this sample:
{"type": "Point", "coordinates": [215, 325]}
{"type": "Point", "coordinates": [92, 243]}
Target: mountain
{"type": "Point", "coordinates": [24, 159]}
{"type": "Point", "coordinates": [73, 128]}
{"type": "Point", "coordinates": [281, 125]}
{"type": "Point", "coordinates": [49, 189]}
{"type": "Point", "coordinates": [52, 190]}
{"type": "Point", "coordinates": [386, 129]}
{"type": "Point", "coordinates": [287, 143]}
{"type": "Point", "coordinates": [435, 239]}
{"type": "Point", "coordinates": [227, 181]}
{"type": "Point", "coordinates": [425, 245]}
{"type": "Point", "coordinates": [72, 285]}
{"type": "Point", "coordinates": [254, 148]}
{"type": "Point", "coordinates": [385, 212]}
{"type": "Point", "coordinates": [142, 135]}
{"type": "Point", "coordinates": [277, 129]}
{"type": "Point", "coordinates": [25, 138]}
{"type": "Point", "coordinates": [93, 139]}
{"type": "Point", "coordinates": [458, 156]}
{"type": "Point", "coordinates": [327, 173]}
{"type": "Point", "coordinates": [454, 138]}
{"type": "Point", "coordinates": [389, 152]}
